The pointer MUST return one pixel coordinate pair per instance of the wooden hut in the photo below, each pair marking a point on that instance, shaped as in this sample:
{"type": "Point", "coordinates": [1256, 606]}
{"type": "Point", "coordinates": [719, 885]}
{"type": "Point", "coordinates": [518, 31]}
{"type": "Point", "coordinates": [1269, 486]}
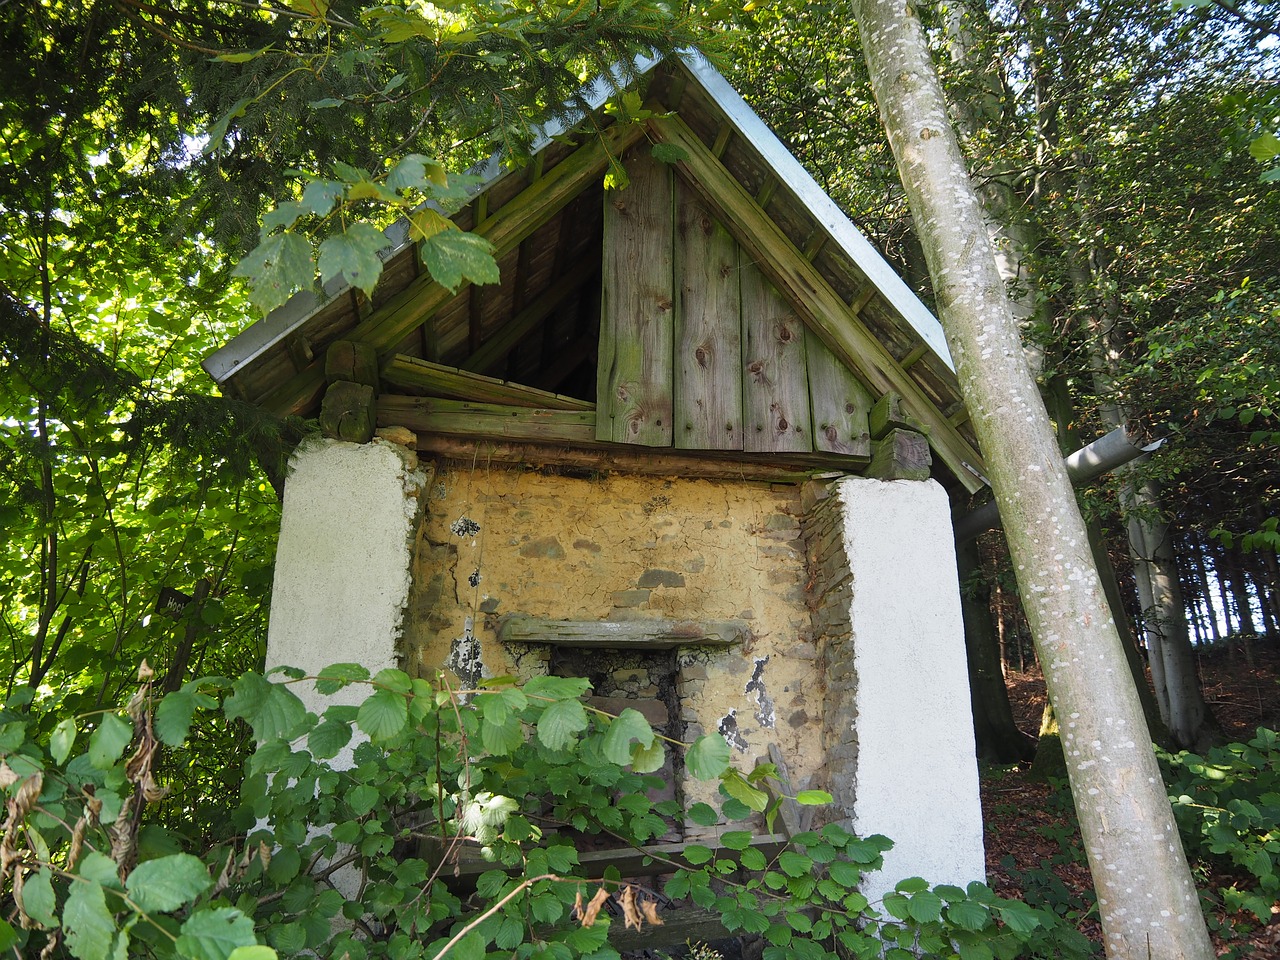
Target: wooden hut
{"type": "Point", "coordinates": [694, 445]}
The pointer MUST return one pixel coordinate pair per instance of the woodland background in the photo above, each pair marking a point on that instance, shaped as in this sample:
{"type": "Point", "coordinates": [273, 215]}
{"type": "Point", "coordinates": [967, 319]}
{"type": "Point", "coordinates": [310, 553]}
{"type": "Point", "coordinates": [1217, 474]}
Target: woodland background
{"type": "Point", "coordinates": [1126, 154]}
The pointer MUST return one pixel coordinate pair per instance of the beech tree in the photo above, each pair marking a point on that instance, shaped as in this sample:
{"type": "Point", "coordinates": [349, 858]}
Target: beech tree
{"type": "Point", "coordinates": [1146, 898]}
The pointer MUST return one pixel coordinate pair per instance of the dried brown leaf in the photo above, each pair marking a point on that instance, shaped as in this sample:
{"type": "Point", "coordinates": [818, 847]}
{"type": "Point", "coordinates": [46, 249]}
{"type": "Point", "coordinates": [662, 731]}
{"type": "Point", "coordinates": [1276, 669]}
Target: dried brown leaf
{"type": "Point", "coordinates": [650, 910]}
{"type": "Point", "coordinates": [630, 915]}
{"type": "Point", "coordinates": [593, 908]}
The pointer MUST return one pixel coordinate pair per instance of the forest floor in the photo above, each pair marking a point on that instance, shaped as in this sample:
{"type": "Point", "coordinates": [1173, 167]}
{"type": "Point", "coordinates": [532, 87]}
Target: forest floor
{"type": "Point", "coordinates": [1033, 843]}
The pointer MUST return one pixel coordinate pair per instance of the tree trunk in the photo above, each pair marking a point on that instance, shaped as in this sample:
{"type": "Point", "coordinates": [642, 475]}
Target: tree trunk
{"type": "Point", "coordinates": [998, 737]}
{"type": "Point", "coordinates": [1147, 902]}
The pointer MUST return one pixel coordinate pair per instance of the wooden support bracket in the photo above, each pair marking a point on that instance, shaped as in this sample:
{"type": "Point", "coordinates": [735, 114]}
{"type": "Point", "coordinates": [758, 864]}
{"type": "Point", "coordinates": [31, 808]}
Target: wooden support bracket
{"type": "Point", "coordinates": [902, 455]}
{"type": "Point", "coordinates": [348, 411]}
{"type": "Point", "coordinates": [353, 361]}
{"type": "Point", "coordinates": [889, 413]}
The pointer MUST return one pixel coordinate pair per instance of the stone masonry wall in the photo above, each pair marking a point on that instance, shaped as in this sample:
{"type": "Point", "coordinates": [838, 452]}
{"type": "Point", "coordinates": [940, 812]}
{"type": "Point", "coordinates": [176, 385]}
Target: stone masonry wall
{"type": "Point", "coordinates": [496, 541]}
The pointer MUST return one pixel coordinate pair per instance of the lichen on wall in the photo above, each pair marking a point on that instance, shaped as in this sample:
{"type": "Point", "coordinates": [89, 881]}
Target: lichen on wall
{"type": "Point", "coordinates": [495, 541]}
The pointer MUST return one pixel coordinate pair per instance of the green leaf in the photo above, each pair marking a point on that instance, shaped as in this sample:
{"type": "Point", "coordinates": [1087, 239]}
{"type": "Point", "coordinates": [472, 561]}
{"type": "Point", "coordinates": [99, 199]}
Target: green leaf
{"type": "Point", "coordinates": [813, 798]}
{"type": "Point", "coordinates": [416, 171]}
{"type": "Point", "coordinates": [354, 254]}
{"type": "Point", "coordinates": [743, 792]}
{"type": "Point", "coordinates": [384, 715]}
{"type": "Point", "coordinates": [173, 717]}
{"type": "Point", "coordinates": [276, 268]}
{"type": "Point", "coordinates": [845, 873]}
{"type": "Point", "coordinates": [1018, 916]}
{"type": "Point", "coordinates": [108, 741]}
{"type": "Point", "coordinates": [968, 915]}
{"type": "Point", "coordinates": [696, 853]}
{"type": "Point", "coordinates": [328, 739]}
{"type": "Point", "coordinates": [504, 737]}
{"type": "Point", "coordinates": [668, 153]}
{"type": "Point", "coordinates": [794, 864]}
{"type": "Point", "coordinates": [925, 907]}
{"type": "Point", "coordinates": [452, 256]}
{"type": "Point", "coordinates": [89, 925]}
{"type": "Point", "coordinates": [912, 885]}
{"type": "Point", "coordinates": [243, 57]}
{"type": "Point", "coordinates": [334, 677]}
{"type": "Point", "coordinates": [393, 679]}
{"type": "Point", "coordinates": [167, 883]}
{"type": "Point", "coordinates": [60, 742]}
{"type": "Point", "coordinates": [557, 688]}
{"type": "Point", "coordinates": [627, 726]}
{"type": "Point", "coordinates": [560, 722]}
{"type": "Point", "coordinates": [648, 759]}
{"type": "Point", "coordinates": [703, 814]}
{"type": "Point", "coordinates": [470, 947]}
{"type": "Point", "coordinates": [8, 935]}
{"type": "Point", "coordinates": [38, 899]}
{"type": "Point", "coordinates": [737, 839]}
{"type": "Point", "coordinates": [255, 952]}
{"type": "Point", "coordinates": [318, 199]}
{"type": "Point", "coordinates": [1265, 147]}
{"type": "Point", "coordinates": [708, 757]}
{"type": "Point", "coordinates": [215, 934]}
{"type": "Point", "coordinates": [271, 709]}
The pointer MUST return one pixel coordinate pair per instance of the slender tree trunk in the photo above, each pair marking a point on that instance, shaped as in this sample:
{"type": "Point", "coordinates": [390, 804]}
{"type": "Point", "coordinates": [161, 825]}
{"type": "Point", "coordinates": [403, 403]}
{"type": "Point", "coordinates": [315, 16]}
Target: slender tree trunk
{"type": "Point", "coordinates": [1147, 902]}
{"type": "Point", "coordinates": [998, 737]}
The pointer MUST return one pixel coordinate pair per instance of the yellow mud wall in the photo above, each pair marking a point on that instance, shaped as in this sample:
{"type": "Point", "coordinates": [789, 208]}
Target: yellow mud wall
{"type": "Point", "coordinates": [499, 540]}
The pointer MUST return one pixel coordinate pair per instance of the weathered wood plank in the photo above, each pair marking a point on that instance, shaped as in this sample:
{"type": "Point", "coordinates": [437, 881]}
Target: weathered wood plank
{"type": "Point", "coordinates": [439, 380]}
{"type": "Point", "coordinates": [347, 412]}
{"type": "Point", "coordinates": [901, 455]}
{"type": "Point", "coordinates": [840, 402]}
{"type": "Point", "coordinates": [775, 386]}
{"type": "Point", "coordinates": [636, 325]}
{"type": "Point", "coordinates": [597, 457]}
{"type": "Point", "coordinates": [409, 309]}
{"type": "Point", "coordinates": [461, 418]}
{"type": "Point", "coordinates": [708, 330]}
{"type": "Point", "coordinates": [829, 316]}
{"type": "Point", "coordinates": [795, 817]}
{"type": "Point", "coordinates": [622, 634]}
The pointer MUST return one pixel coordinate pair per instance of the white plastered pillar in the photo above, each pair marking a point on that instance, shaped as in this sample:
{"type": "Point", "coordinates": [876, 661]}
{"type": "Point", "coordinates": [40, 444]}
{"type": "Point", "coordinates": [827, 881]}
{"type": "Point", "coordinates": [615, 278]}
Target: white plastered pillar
{"type": "Point", "coordinates": [899, 727]}
{"type": "Point", "coordinates": [343, 561]}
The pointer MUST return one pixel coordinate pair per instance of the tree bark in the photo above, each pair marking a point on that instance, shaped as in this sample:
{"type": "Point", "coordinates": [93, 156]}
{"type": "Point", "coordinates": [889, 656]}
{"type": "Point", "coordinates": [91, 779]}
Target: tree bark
{"type": "Point", "coordinates": [1146, 899]}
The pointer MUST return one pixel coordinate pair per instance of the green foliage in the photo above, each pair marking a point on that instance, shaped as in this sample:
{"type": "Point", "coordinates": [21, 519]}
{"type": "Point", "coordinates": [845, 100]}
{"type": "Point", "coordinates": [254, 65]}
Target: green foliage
{"type": "Point", "coordinates": [356, 861]}
{"type": "Point", "coordinates": [1227, 804]}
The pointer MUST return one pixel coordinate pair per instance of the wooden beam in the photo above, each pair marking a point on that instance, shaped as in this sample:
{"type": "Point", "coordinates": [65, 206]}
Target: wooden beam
{"type": "Point", "coordinates": [519, 217]}
{"type": "Point", "coordinates": [824, 310]}
{"type": "Point", "coordinates": [438, 380]}
{"type": "Point", "coordinates": [622, 634]}
{"type": "Point", "coordinates": [460, 418]}
{"type": "Point", "coordinates": [601, 458]}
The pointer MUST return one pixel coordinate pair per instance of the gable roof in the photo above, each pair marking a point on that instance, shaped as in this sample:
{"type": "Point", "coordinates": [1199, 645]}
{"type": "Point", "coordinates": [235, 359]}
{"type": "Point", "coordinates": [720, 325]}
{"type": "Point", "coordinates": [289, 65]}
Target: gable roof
{"type": "Point", "coordinates": [544, 223]}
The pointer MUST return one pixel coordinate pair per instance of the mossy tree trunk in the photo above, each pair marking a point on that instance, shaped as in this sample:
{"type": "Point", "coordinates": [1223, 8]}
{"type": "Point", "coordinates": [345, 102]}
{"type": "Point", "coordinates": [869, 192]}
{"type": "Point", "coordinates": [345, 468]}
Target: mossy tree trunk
{"type": "Point", "coordinates": [1148, 904]}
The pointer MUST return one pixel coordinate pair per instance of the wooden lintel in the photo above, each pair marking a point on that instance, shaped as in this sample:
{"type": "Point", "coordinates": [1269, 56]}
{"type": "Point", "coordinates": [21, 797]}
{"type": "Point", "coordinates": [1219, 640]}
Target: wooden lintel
{"type": "Point", "coordinates": [826, 313]}
{"type": "Point", "coordinates": [347, 412]}
{"type": "Point", "coordinates": [518, 327]}
{"type": "Point", "coordinates": [619, 458]}
{"type": "Point", "coordinates": [438, 380]}
{"type": "Point", "coordinates": [902, 455]}
{"type": "Point", "coordinates": [622, 634]}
